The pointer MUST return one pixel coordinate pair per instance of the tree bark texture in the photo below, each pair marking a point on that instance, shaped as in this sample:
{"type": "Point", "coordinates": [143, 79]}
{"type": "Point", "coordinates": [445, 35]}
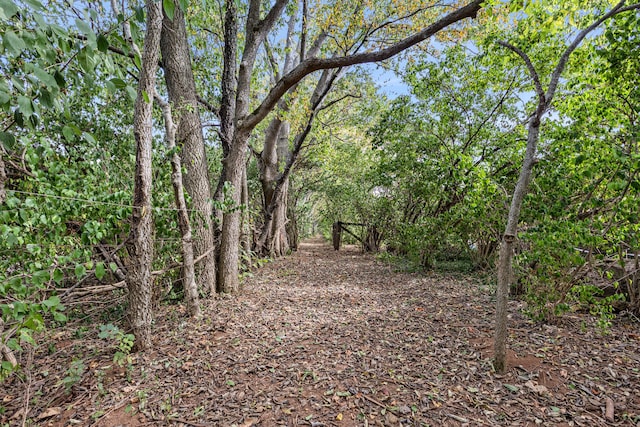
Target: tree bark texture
{"type": "Point", "coordinates": [140, 246]}
{"type": "Point", "coordinates": [176, 61]}
{"type": "Point", "coordinates": [228, 280]}
{"type": "Point", "coordinates": [188, 266]}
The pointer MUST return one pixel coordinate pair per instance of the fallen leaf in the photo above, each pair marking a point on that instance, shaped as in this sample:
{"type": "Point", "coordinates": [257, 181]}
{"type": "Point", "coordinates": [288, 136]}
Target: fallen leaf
{"type": "Point", "coordinates": [50, 412]}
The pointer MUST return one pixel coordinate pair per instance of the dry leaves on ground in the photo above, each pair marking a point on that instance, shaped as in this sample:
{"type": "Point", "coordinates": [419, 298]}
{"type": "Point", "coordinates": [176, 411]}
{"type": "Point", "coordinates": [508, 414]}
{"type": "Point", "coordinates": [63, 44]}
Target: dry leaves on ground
{"type": "Point", "coordinates": [325, 338]}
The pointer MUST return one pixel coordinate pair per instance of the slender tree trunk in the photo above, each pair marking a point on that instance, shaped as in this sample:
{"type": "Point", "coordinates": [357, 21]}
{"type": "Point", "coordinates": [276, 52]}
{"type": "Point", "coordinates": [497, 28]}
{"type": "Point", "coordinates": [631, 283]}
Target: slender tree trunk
{"type": "Point", "coordinates": [505, 257]}
{"type": "Point", "coordinates": [140, 246]}
{"type": "Point", "coordinates": [176, 61]}
{"type": "Point", "coordinates": [3, 179]}
{"type": "Point", "coordinates": [189, 281]}
{"type": "Point", "coordinates": [245, 226]}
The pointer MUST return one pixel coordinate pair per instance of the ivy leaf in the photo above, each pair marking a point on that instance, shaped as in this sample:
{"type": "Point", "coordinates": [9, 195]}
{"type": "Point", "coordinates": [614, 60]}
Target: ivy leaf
{"type": "Point", "coordinates": [169, 8]}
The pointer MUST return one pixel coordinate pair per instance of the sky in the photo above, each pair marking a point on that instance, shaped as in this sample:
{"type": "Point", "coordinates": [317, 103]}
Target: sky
{"type": "Point", "coordinates": [387, 81]}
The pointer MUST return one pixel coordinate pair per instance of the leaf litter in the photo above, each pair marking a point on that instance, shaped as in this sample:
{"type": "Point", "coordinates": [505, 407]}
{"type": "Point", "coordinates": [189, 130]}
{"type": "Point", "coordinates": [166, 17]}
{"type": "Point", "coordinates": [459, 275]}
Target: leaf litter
{"type": "Point", "coordinates": [326, 338]}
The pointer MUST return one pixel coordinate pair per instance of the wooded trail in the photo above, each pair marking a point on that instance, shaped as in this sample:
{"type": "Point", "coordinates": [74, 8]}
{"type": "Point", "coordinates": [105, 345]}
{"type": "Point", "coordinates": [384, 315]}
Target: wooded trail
{"type": "Point", "coordinates": [326, 338]}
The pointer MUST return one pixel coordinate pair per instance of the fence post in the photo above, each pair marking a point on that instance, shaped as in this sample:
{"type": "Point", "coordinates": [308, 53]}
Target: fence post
{"type": "Point", "coordinates": [337, 231]}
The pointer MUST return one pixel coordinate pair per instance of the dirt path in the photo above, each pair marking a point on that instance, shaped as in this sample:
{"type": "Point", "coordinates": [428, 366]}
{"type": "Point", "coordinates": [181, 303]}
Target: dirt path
{"type": "Point", "coordinates": [325, 338]}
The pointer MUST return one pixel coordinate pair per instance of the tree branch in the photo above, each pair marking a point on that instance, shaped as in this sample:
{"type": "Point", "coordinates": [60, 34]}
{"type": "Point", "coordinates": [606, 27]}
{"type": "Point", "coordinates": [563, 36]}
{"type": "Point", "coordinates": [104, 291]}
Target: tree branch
{"type": "Point", "coordinates": [530, 67]}
{"type": "Point", "coordinates": [310, 65]}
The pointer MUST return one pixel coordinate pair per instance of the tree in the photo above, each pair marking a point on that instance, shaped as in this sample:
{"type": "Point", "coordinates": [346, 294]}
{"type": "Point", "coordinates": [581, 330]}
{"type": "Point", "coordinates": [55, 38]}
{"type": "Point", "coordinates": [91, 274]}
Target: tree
{"type": "Point", "coordinates": [139, 280]}
{"type": "Point", "coordinates": [176, 62]}
{"type": "Point", "coordinates": [544, 99]}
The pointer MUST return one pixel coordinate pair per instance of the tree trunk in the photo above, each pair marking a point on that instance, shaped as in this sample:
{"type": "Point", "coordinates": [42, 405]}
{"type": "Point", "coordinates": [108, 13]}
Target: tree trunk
{"type": "Point", "coordinates": [245, 226]}
{"type": "Point", "coordinates": [230, 236]}
{"type": "Point", "coordinates": [140, 246]}
{"type": "Point", "coordinates": [3, 179]}
{"type": "Point", "coordinates": [274, 157]}
{"type": "Point", "coordinates": [189, 281]}
{"type": "Point", "coordinates": [178, 73]}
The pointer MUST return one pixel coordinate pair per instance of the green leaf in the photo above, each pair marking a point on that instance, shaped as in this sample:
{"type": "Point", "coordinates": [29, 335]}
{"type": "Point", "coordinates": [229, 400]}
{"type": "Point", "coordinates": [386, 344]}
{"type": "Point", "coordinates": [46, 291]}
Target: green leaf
{"type": "Point", "coordinates": [113, 266]}
{"type": "Point", "coordinates": [139, 14]}
{"type": "Point", "coordinates": [59, 317]}
{"type": "Point", "coordinates": [118, 83]}
{"type": "Point", "coordinates": [80, 271]}
{"type": "Point", "coordinates": [8, 140]}
{"type": "Point", "coordinates": [35, 4]}
{"type": "Point", "coordinates": [100, 270]}
{"type": "Point", "coordinates": [132, 93]}
{"type": "Point", "coordinates": [512, 388]}
{"type": "Point", "coordinates": [25, 106]}
{"type": "Point", "coordinates": [169, 8]}
{"type": "Point", "coordinates": [40, 277]}
{"type": "Point", "coordinates": [89, 138]}
{"type": "Point", "coordinates": [103, 43]}
{"type": "Point", "coordinates": [58, 275]}
{"type": "Point", "coordinates": [84, 28]}
{"type": "Point", "coordinates": [52, 301]}
{"type": "Point", "coordinates": [7, 9]}
{"type": "Point", "coordinates": [68, 133]}
{"type": "Point", "coordinates": [45, 77]}
{"type": "Point", "coordinates": [13, 43]}
{"type": "Point", "coordinates": [145, 96]}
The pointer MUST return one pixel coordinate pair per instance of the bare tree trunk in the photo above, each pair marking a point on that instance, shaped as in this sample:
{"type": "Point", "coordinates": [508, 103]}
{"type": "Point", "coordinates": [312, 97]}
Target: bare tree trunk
{"type": "Point", "coordinates": [176, 61]}
{"type": "Point", "coordinates": [3, 179]}
{"type": "Point", "coordinates": [245, 226]}
{"type": "Point", "coordinates": [140, 246]}
{"type": "Point", "coordinates": [188, 267]}
{"type": "Point", "coordinates": [505, 258]}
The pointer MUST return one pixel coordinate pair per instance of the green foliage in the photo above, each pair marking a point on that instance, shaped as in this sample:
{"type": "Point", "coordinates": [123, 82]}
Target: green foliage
{"type": "Point", "coordinates": [74, 374]}
{"type": "Point", "coordinates": [123, 343]}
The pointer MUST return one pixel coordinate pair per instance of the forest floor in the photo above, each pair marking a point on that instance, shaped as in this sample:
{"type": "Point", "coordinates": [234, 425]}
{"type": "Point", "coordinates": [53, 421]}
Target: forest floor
{"type": "Point", "coordinates": [326, 338]}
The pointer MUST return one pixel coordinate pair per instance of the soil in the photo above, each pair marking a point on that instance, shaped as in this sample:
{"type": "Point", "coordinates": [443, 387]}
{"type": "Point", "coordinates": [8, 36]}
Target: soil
{"type": "Point", "coordinates": [326, 338]}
